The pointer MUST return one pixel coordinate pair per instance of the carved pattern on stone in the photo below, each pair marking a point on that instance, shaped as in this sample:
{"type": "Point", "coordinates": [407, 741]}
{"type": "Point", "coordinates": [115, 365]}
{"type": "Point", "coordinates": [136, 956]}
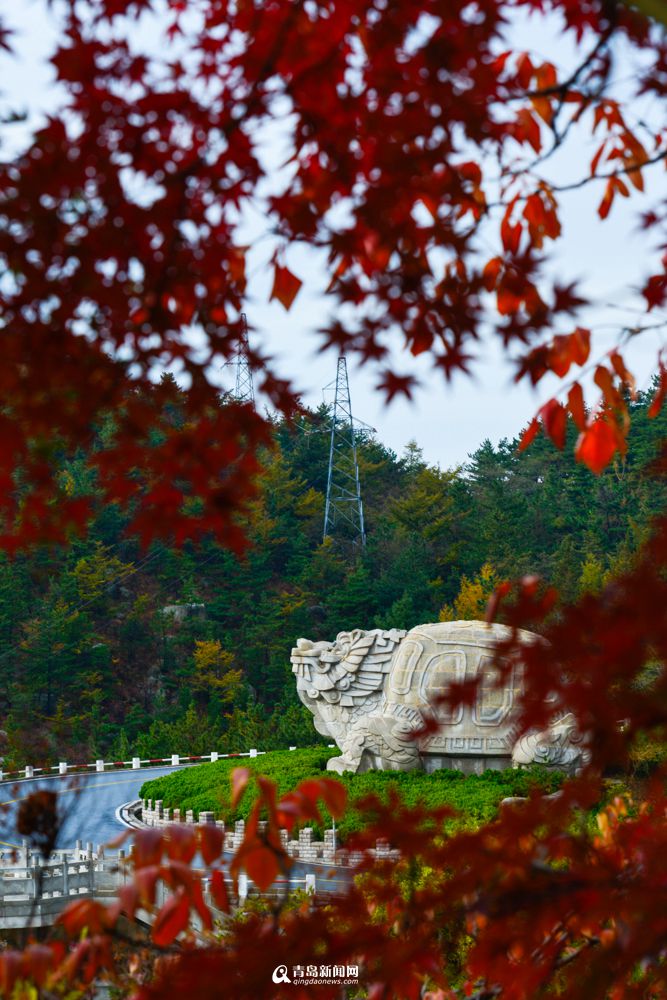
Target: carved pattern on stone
{"type": "Point", "coordinates": [369, 691]}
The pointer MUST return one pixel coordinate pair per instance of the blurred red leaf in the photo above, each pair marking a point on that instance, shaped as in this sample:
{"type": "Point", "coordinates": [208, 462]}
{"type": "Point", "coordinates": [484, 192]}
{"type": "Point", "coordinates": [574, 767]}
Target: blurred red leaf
{"type": "Point", "coordinates": [597, 445]}
{"type": "Point", "coordinates": [529, 435]}
{"type": "Point", "coordinates": [171, 920]}
{"type": "Point", "coordinates": [218, 891]}
{"type": "Point", "coordinates": [576, 406]}
{"type": "Point", "coordinates": [554, 419]}
{"type": "Point", "coordinates": [240, 777]}
{"type": "Point", "coordinates": [397, 385]}
{"type": "Point", "coordinates": [262, 866]}
{"type": "Point", "coordinates": [180, 842]}
{"type": "Point", "coordinates": [285, 286]}
{"type": "Point", "coordinates": [148, 847]}
{"type": "Point", "coordinates": [211, 842]}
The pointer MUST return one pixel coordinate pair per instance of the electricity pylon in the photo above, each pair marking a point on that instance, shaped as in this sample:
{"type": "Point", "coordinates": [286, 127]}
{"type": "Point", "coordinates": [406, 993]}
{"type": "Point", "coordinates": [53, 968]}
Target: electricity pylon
{"type": "Point", "coordinates": [244, 390]}
{"type": "Point", "coordinates": [344, 510]}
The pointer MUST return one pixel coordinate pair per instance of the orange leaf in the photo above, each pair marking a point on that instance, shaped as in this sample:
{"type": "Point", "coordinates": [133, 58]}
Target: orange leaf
{"type": "Point", "coordinates": [607, 199]}
{"type": "Point", "coordinates": [542, 106]}
{"type": "Point", "coordinates": [525, 70]}
{"type": "Point", "coordinates": [659, 397]}
{"type": "Point", "coordinates": [595, 162]}
{"type": "Point", "coordinates": [604, 379]}
{"type": "Point", "coordinates": [510, 234]}
{"type": "Point", "coordinates": [597, 445]}
{"type": "Point", "coordinates": [529, 434]}
{"type": "Point", "coordinates": [171, 920]}
{"type": "Point", "coordinates": [554, 418]}
{"type": "Point", "coordinates": [575, 402]}
{"type": "Point", "coordinates": [528, 129]}
{"type": "Point", "coordinates": [546, 76]}
{"type": "Point", "coordinates": [618, 364]}
{"type": "Point", "coordinates": [239, 778]}
{"type": "Point", "coordinates": [491, 272]}
{"type": "Point", "coordinates": [285, 286]}
{"type": "Point", "coordinates": [580, 342]}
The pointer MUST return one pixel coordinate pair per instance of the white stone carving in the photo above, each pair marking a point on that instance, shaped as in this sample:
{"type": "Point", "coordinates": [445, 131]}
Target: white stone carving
{"type": "Point", "coordinates": [370, 691]}
{"type": "Point", "coordinates": [560, 746]}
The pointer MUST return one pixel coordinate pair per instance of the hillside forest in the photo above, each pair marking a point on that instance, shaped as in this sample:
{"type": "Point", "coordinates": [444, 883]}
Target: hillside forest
{"type": "Point", "coordinates": [108, 649]}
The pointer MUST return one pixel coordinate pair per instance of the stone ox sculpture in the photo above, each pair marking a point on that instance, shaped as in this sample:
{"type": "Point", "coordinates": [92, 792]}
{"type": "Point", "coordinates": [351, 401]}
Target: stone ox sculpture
{"type": "Point", "coordinates": [367, 691]}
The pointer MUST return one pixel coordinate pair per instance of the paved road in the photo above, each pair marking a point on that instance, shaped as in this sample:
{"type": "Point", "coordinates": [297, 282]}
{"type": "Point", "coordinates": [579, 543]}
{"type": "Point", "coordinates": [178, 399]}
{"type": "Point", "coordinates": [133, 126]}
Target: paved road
{"type": "Point", "coordinates": [88, 806]}
{"type": "Point", "coordinates": [88, 803]}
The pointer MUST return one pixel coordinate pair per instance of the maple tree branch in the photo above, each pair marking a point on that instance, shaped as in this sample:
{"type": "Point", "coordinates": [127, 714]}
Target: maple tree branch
{"type": "Point", "coordinates": [575, 185]}
{"type": "Point", "coordinates": [562, 88]}
{"type": "Point", "coordinates": [628, 168]}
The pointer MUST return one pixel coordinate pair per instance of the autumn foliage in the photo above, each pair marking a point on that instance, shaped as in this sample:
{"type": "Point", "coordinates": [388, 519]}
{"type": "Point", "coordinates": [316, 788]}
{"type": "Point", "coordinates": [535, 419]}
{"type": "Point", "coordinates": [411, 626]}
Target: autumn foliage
{"type": "Point", "coordinates": [417, 144]}
{"type": "Point", "coordinates": [414, 134]}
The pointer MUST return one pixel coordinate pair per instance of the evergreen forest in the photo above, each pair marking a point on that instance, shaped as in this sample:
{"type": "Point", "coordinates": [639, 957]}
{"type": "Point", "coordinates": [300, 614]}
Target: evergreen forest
{"type": "Point", "coordinates": [109, 649]}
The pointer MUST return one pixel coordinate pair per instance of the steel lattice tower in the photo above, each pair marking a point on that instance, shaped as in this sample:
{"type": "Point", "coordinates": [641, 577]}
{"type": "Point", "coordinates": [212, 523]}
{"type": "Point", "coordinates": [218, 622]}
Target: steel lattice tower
{"type": "Point", "coordinates": [344, 510]}
{"type": "Point", "coordinates": [244, 390]}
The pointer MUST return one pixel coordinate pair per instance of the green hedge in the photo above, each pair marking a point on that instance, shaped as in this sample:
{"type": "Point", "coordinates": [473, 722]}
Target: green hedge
{"type": "Point", "coordinates": [476, 797]}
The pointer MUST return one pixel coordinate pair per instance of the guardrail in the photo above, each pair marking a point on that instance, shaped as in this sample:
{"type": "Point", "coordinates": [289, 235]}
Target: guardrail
{"type": "Point", "coordinates": [34, 891]}
{"type": "Point", "coordinates": [147, 812]}
{"type": "Point", "coordinates": [135, 764]}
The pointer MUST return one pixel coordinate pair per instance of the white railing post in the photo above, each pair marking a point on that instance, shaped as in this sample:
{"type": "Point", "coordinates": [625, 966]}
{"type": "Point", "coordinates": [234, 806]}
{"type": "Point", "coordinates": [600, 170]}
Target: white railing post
{"type": "Point", "coordinates": [175, 760]}
{"type": "Point", "coordinates": [136, 763]}
{"type": "Point", "coordinates": [99, 765]}
{"type": "Point", "coordinates": [214, 756]}
{"type": "Point", "coordinates": [253, 753]}
{"type": "Point", "coordinates": [29, 771]}
{"type": "Point", "coordinates": [62, 767]}
{"type": "Point", "coordinates": [243, 887]}
{"type": "Point", "coordinates": [310, 884]}
{"type": "Point", "coordinates": [36, 878]}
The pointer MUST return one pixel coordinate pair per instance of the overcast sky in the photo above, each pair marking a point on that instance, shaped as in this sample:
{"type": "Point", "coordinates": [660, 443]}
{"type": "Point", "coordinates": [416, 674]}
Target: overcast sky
{"type": "Point", "coordinates": [448, 421]}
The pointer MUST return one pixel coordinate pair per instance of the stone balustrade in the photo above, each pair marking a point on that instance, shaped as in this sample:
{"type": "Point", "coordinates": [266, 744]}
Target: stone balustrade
{"type": "Point", "coordinates": [34, 891]}
{"type": "Point", "coordinates": [305, 849]}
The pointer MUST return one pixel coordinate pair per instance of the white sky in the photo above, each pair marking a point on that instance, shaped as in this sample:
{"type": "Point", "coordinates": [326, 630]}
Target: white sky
{"type": "Point", "coordinates": [448, 421]}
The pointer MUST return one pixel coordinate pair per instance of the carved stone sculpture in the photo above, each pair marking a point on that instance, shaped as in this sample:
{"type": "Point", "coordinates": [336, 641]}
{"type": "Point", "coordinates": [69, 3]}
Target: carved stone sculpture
{"type": "Point", "coordinates": [369, 691]}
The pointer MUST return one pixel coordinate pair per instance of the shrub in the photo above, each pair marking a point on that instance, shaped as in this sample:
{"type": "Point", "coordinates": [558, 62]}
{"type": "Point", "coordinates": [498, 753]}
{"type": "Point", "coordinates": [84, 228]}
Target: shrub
{"type": "Point", "coordinates": [475, 798]}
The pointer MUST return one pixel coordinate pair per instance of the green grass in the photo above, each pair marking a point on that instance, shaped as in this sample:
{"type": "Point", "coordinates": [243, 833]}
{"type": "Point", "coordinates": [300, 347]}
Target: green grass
{"type": "Point", "coordinates": [476, 797]}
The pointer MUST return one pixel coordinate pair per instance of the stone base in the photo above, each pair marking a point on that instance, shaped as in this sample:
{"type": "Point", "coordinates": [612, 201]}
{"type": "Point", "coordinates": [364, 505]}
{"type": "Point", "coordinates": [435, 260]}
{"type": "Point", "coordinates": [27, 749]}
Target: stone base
{"type": "Point", "coordinates": [467, 764]}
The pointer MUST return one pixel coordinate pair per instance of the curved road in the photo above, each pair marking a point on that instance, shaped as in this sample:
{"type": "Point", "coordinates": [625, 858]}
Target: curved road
{"type": "Point", "coordinates": [87, 803]}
